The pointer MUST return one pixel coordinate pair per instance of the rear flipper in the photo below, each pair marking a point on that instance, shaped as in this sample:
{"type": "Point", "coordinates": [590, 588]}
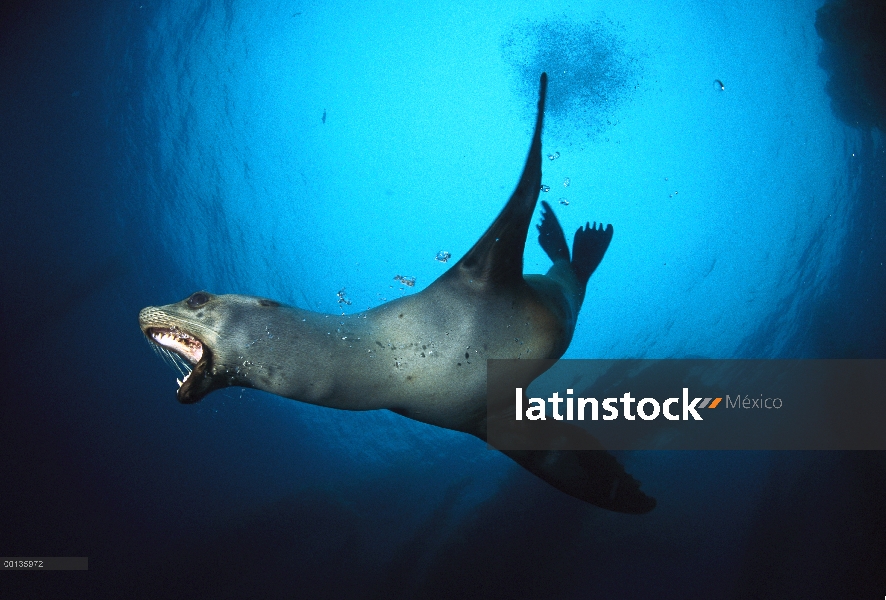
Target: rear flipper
{"type": "Point", "coordinates": [550, 235]}
{"type": "Point", "coordinates": [588, 248]}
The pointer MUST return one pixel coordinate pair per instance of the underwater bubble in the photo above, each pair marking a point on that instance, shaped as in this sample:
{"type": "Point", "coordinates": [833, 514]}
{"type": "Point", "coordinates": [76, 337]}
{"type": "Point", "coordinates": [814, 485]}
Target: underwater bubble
{"type": "Point", "coordinates": [342, 299]}
{"type": "Point", "coordinates": [546, 188]}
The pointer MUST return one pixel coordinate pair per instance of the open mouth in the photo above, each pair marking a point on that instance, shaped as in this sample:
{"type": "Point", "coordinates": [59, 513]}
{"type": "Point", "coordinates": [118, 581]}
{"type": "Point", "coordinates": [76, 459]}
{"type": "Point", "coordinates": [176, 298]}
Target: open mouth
{"type": "Point", "coordinates": [181, 350]}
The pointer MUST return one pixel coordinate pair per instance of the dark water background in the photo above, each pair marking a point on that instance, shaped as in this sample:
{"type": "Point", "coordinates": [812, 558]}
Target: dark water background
{"type": "Point", "coordinates": [293, 149]}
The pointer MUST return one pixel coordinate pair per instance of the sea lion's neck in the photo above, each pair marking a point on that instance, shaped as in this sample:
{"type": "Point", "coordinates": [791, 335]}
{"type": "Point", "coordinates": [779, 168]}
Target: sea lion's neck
{"type": "Point", "coordinates": [303, 355]}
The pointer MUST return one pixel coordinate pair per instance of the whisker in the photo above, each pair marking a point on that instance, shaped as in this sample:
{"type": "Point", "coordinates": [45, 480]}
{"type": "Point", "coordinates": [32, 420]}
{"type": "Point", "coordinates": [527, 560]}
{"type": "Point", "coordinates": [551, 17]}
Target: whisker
{"type": "Point", "coordinates": [165, 355]}
{"type": "Point", "coordinates": [183, 365]}
{"type": "Point", "coordinates": [152, 345]}
{"type": "Point", "coordinates": [159, 352]}
{"type": "Point", "coordinates": [176, 362]}
{"type": "Point", "coordinates": [168, 358]}
{"type": "Point", "coordinates": [171, 358]}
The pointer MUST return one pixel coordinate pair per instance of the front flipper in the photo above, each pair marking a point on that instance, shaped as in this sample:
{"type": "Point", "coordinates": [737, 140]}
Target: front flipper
{"type": "Point", "coordinates": [594, 476]}
{"type": "Point", "coordinates": [497, 257]}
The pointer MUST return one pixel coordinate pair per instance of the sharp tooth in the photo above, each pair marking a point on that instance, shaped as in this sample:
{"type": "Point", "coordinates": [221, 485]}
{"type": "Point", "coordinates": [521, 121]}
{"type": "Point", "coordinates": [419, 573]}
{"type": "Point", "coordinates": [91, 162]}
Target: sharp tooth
{"type": "Point", "coordinates": [179, 381]}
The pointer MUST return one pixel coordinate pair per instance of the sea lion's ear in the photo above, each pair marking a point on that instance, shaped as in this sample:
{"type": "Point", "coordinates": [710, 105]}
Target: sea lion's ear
{"type": "Point", "coordinates": [497, 257]}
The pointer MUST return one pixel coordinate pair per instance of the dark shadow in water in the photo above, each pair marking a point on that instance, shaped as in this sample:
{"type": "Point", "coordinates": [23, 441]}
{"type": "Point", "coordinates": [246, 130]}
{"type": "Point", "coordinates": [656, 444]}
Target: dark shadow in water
{"type": "Point", "coordinates": [850, 321]}
{"type": "Point", "coordinates": [820, 531]}
{"type": "Point", "coordinates": [39, 299]}
{"type": "Point", "coordinates": [304, 546]}
{"type": "Point", "coordinates": [412, 561]}
{"type": "Point", "coordinates": [854, 56]}
{"type": "Point", "coordinates": [846, 318]}
{"type": "Point", "coordinates": [323, 543]}
{"type": "Point", "coordinates": [514, 545]}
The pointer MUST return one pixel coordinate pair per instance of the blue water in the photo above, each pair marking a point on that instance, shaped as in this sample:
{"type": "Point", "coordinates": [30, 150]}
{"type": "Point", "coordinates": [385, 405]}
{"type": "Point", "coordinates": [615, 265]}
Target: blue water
{"type": "Point", "coordinates": [295, 149]}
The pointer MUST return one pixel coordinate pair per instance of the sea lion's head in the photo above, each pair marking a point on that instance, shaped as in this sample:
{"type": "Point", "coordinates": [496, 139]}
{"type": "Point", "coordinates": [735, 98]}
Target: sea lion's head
{"type": "Point", "coordinates": [205, 335]}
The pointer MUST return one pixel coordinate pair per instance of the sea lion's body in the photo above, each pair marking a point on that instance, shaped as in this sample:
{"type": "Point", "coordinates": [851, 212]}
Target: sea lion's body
{"type": "Point", "coordinates": [424, 355]}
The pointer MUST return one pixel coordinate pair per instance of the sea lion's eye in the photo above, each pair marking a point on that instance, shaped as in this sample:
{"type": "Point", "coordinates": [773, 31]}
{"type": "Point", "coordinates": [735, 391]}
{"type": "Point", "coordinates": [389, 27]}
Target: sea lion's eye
{"type": "Point", "coordinates": [198, 299]}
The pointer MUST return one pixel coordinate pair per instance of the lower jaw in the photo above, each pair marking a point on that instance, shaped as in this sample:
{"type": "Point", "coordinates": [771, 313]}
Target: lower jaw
{"type": "Point", "coordinates": [196, 386]}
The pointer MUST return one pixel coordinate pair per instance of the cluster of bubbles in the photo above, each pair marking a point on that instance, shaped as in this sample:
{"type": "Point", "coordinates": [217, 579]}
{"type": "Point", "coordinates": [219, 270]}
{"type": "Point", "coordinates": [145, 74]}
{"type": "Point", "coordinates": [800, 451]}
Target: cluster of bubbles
{"type": "Point", "coordinates": [405, 280]}
{"type": "Point", "coordinates": [342, 301]}
{"type": "Point", "coordinates": [674, 193]}
{"type": "Point", "coordinates": [566, 182]}
{"type": "Point", "coordinates": [591, 70]}
{"type": "Point", "coordinates": [442, 256]}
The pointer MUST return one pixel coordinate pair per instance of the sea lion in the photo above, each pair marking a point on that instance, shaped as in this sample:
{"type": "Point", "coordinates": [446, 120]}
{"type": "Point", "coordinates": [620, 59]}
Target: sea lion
{"type": "Point", "coordinates": [424, 355]}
